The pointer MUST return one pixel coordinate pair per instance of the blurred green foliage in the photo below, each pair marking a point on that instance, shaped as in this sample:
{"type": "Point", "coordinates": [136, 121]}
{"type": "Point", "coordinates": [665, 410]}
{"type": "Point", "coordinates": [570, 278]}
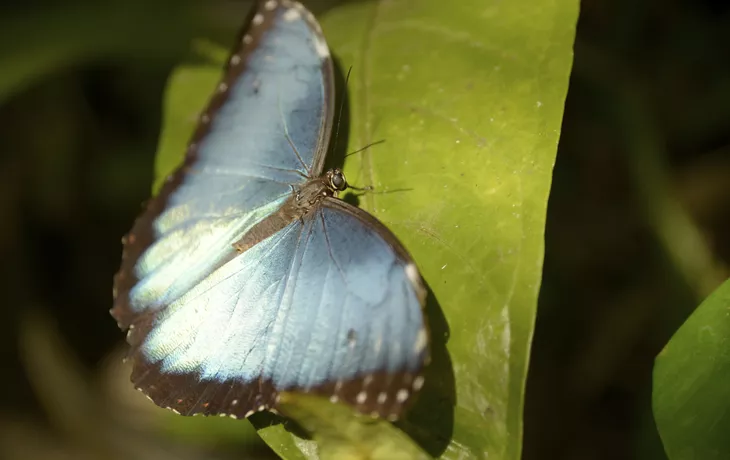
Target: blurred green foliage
{"type": "Point", "coordinates": [635, 237]}
{"type": "Point", "coordinates": [691, 390]}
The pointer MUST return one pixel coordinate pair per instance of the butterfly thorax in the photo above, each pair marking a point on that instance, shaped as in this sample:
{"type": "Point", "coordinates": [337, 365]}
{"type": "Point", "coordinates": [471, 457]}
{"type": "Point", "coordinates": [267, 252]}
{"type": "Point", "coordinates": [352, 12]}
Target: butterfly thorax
{"type": "Point", "coordinates": [327, 185]}
{"type": "Point", "coordinates": [303, 200]}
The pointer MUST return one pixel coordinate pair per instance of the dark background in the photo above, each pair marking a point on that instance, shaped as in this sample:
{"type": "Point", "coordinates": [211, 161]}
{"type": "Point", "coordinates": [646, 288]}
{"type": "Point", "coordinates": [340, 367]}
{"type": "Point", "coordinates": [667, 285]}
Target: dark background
{"type": "Point", "coordinates": [636, 235]}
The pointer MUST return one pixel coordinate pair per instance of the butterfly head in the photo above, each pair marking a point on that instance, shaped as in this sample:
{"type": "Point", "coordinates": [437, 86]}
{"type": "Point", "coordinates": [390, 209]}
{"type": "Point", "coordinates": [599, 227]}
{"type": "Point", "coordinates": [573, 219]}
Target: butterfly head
{"type": "Point", "coordinates": [336, 180]}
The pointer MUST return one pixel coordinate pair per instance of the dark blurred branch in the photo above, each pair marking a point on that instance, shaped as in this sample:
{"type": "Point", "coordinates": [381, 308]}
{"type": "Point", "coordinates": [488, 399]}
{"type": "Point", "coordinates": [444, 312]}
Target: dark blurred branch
{"type": "Point", "coordinates": [681, 239]}
{"type": "Point", "coordinates": [644, 146]}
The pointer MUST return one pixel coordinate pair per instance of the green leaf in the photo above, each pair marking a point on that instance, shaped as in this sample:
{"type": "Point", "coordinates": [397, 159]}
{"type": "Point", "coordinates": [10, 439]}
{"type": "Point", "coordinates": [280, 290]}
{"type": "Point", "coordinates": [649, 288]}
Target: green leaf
{"type": "Point", "coordinates": [339, 433]}
{"type": "Point", "coordinates": [691, 395]}
{"type": "Point", "coordinates": [468, 97]}
{"type": "Point", "coordinates": [288, 446]}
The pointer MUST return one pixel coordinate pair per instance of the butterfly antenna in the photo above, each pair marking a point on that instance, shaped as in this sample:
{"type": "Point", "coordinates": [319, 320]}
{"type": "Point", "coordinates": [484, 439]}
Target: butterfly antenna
{"type": "Point", "coordinates": [371, 189]}
{"type": "Point", "coordinates": [342, 106]}
{"type": "Point", "coordinates": [366, 147]}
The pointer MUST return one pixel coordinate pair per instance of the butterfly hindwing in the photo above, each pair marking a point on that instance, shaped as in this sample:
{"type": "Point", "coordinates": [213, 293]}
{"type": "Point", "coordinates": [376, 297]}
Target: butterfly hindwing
{"type": "Point", "coordinates": [367, 338]}
{"type": "Point", "coordinates": [331, 304]}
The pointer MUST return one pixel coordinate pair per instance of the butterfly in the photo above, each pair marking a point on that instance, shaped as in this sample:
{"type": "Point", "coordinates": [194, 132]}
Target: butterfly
{"type": "Point", "coordinates": [247, 276]}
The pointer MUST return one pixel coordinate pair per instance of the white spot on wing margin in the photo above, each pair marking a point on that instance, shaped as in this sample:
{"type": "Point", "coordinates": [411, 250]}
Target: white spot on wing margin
{"type": "Point", "coordinates": [421, 340]}
{"type": "Point", "coordinates": [295, 13]}
{"type": "Point", "coordinates": [412, 274]}
{"type": "Point", "coordinates": [418, 383]}
{"type": "Point", "coordinates": [320, 46]}
{"type": "Point", "coordinates": [292, 15]}
{"type": "Point", "coordinates": [415, 279]}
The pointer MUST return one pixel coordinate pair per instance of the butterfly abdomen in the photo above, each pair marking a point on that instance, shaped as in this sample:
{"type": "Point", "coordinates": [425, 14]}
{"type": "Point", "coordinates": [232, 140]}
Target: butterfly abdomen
{"type": "Point", "coordinates": [302, 201]}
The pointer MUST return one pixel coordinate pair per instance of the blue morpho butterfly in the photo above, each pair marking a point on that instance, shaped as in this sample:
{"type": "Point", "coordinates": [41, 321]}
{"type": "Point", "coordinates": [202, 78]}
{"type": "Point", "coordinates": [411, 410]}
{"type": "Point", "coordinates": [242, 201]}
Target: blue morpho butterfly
{"type": "Point", "coordinates": [247, 276]}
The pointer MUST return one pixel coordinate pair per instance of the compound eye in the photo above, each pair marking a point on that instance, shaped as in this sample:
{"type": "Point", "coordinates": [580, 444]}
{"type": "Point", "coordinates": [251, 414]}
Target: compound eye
{"type": "Point", "coordinates": [338, 181]}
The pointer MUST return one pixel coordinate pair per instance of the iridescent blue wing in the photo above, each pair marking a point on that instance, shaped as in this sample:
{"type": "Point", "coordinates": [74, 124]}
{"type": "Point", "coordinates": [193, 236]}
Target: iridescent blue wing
{"type": "Point", "coordinates": [331, 304]}
{"type": "Point", "coordinates": [266, 129]}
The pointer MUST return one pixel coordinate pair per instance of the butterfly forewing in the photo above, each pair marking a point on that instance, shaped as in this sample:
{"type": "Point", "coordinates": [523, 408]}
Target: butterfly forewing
{"type": "Point", "coordinates": [264, 130]}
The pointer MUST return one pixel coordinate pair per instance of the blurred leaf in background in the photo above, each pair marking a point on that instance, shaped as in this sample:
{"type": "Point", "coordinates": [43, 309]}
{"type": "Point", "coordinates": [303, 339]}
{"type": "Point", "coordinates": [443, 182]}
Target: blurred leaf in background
{"type": "Point", "coordinates": [691, 393]}
{"type": "Point", "coordinates": [644, 145]}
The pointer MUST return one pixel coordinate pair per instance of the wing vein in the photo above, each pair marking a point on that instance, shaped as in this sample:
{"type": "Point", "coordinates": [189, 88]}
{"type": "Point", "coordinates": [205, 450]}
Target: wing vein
{"type": "Point", "coordinates": [288, 137]}
{"type": "Point", "coordinates": [292, 270]}
{"type": "Point", "coordinates": [329, 246]}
